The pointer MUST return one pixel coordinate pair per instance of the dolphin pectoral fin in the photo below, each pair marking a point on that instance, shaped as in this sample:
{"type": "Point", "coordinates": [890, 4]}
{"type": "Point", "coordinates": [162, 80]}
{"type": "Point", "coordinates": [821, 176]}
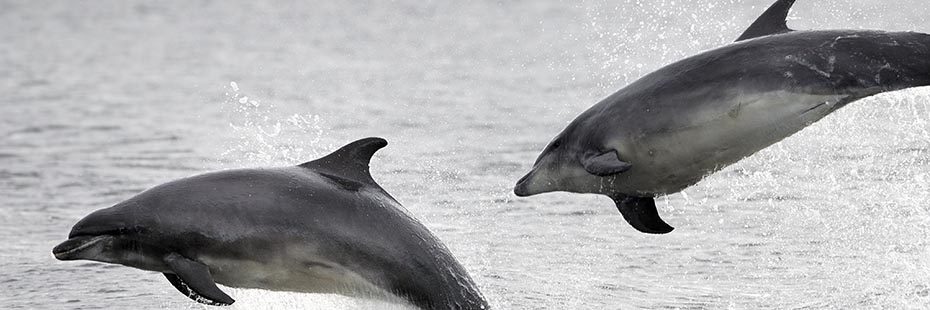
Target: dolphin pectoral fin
{"type": "Point", "coordinates": [193, 279]}
{"type": "Point", "coordinates": [605, 164]}
{"type": "Point", "coordinates": [186, 289]}
{"type": "Point", "coordinates": [772, 21]}
{"type": "Point", "coordinates": [641, 213]}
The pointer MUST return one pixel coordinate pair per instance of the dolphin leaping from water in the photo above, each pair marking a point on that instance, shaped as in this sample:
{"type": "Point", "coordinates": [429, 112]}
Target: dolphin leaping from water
{"type": "Point", "coordinates": [321, 227]}
{"type": "Point", "coordinates": [669, 129]}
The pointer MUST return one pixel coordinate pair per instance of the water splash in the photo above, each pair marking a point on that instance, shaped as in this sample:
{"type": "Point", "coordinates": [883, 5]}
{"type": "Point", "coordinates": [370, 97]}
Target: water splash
{"type": "Point", "coordinates": [262, 299]}
{"type": "Point", "coordinates": [623, 49]}
{"type": "Point", "coordinates": [266, 136]}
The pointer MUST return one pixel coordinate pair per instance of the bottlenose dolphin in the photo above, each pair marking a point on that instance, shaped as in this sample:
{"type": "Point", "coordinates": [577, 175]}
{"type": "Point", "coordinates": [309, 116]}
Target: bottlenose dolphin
{"type": "Point", "coordinates": [324, 226]}
{"type": "Point", "coordinates": [669, 129]}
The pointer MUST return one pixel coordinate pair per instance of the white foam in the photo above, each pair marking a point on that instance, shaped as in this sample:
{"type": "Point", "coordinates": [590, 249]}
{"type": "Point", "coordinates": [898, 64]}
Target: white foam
{"type": "Point", "coordinates": [255, 299]}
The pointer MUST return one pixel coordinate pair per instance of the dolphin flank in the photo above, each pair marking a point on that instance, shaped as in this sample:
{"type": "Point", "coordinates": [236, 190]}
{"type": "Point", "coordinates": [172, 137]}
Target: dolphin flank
{"type": "Point", "coordinates": [321, 227]}
{"type": "Point", "coordinates": [672, 127]}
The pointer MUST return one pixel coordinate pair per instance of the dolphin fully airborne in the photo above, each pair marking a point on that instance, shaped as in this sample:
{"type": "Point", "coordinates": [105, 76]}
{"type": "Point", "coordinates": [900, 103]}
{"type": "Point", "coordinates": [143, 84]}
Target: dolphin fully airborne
{"type": "Point", "coordinates": [669, 129]}
{"type": "Point", "coordinates": [321, 227]}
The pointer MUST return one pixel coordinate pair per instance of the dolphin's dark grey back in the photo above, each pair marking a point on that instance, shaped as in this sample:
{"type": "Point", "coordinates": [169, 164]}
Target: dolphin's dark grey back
{"type": "Point", "coordinates": [896, 60]}
{"type": "Point", "coordinates": [861, 63]}
{"type": "Point", "coordinates": [856, 64]}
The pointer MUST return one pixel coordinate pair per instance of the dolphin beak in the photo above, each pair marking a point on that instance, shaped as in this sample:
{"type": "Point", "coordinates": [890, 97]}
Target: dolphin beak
{"type": "Point", "coordinates": [520, 189]}
{"type": "Point", "coordinates": [75, 247]}
{"type": "Point", "coordinates": [525, 186]}
{"type": "Point", "coordinates": [88, 236]}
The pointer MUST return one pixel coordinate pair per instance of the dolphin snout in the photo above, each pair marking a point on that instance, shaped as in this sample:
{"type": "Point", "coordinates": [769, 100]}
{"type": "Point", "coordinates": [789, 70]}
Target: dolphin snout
{"type": "Point", "coordinates": [533, 183]}
{"type": "Point", "coordinates": [88, 235]}
{"type": "Point", "coordinates": [75, 247]}
{"type": "Point", "coordinates": [521, 189]}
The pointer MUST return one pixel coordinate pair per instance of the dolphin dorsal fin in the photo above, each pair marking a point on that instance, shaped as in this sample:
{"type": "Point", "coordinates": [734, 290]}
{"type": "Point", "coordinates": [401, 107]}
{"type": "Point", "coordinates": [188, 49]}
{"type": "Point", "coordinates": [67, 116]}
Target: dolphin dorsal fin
{"type": "Point", "coordinates": [773, 21]}
{"type": "Point", "coordinates": [350, 161]}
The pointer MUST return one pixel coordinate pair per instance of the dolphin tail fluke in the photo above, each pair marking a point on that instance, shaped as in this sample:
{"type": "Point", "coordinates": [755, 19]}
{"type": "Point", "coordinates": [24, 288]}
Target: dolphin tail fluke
{"type": "Point", "coordinates": [194, 280]}
{"type": "Point", "coordinates": [350, 161]}
{"type": "Point", "coordinates": [641, 213]}
{"type": "Point", "coordinates": [772, 21]}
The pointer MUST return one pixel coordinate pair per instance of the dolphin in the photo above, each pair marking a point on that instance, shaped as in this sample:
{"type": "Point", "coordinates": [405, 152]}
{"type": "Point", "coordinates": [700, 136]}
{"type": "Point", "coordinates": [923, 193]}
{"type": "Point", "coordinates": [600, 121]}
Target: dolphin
{"type": "Point", "coordinates": [324, 226]}
{"type": "Point", "coordinates": [672, 127]}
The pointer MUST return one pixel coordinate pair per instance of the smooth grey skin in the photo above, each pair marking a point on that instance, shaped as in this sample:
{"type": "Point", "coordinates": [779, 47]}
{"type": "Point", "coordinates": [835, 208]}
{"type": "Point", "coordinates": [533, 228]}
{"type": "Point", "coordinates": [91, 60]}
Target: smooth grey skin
{"type": "Point", "coordinates": [321, 227]}
{"type": "Point", "coordinates": [669, 129]}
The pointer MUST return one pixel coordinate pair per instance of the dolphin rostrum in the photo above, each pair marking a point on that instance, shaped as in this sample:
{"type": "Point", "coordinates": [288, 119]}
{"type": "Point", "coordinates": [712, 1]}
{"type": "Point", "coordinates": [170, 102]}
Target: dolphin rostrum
{"type": "Point", "coordinates": [321, 227]}
{"type": "Point", "coordinates": [669, 129]}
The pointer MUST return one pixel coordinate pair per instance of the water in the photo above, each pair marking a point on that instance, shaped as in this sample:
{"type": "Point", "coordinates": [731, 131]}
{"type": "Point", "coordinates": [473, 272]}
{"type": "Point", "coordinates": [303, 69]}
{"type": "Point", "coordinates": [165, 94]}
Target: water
{"type": "Point", "coordinates": [103, 99]}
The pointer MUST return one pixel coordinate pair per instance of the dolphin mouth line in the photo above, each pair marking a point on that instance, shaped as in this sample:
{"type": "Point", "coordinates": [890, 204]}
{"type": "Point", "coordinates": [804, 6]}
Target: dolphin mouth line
{"type": "Point", "coordinates": [75, 245]}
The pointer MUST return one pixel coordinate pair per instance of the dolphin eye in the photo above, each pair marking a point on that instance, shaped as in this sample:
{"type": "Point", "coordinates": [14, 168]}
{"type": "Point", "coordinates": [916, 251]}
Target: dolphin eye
{"type": "Point", "coordinates": [556, 144]}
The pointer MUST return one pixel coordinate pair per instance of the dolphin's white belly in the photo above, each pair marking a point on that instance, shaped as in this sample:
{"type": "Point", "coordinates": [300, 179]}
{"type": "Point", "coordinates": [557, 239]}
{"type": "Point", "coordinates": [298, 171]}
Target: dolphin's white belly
{"type": "Point", "coordinates": [307, 275]}
{"type": "Point", "coordinates": [715, 138]}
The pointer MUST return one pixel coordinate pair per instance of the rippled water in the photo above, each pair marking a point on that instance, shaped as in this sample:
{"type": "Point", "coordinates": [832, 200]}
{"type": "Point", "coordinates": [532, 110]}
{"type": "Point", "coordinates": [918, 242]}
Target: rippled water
{"type": "Point", "coordinates": [102, 99]}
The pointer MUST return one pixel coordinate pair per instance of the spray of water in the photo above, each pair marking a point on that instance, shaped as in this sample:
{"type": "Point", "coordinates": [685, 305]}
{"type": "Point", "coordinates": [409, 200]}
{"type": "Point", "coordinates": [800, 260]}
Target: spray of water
{"type": "Point", "coordinates": [253, 299]}
{"type": "Point", "coordinates": [265, 136]}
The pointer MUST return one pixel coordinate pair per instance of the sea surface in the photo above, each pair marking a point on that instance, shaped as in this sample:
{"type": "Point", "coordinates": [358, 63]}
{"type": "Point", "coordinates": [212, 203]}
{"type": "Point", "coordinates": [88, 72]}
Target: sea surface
{"type": "Point", "coordinates": [100, 100]}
